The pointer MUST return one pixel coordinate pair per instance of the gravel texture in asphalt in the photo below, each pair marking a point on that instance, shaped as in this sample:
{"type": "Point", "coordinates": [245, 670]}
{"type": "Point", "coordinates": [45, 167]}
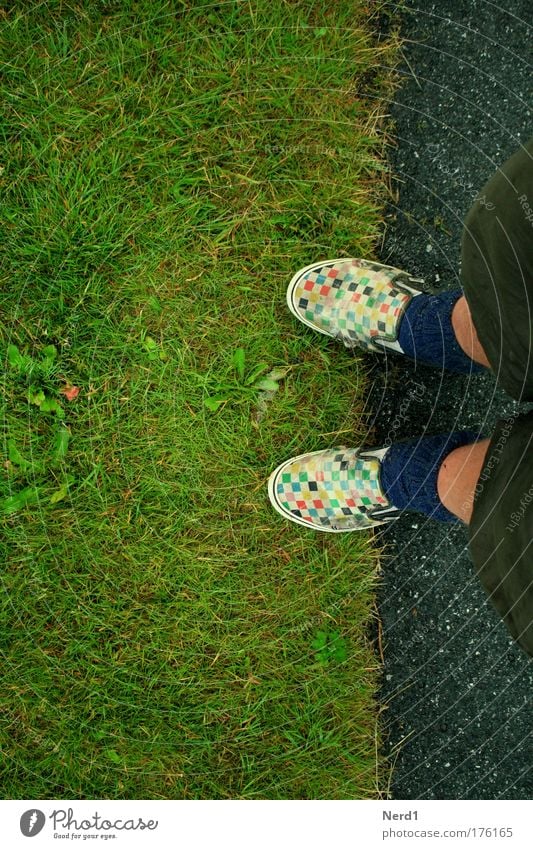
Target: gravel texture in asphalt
{"type": "Point", "coordinates": [457, 688]}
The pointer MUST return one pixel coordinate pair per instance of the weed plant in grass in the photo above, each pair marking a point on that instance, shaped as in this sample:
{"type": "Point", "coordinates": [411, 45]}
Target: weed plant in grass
{"type": "Point", "coordinates": [166, 167]}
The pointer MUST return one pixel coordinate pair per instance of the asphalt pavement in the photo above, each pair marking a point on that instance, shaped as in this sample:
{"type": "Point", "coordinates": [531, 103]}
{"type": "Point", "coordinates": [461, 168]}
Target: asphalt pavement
{"type": "Point", "coordinates": [458, 690]}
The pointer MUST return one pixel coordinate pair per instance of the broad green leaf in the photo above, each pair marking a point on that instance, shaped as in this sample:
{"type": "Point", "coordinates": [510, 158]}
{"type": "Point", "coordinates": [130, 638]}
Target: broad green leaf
{"type": "Point", "coordinates": [37, 397]}
{"type": "Point", "coordinates": [329, 645]}
{"type": "Point", "coordinates": [50, 405]}
{"type": "Point", "coordinates": [155, 352]}
{"type": "Point", "coordinates": [50, 355]}
{"type": "Point", "coordinates": [21, 499]}
{"type": "Point", "coordinates": [215, 401]}
{"type": "Point", "coordinates": [15, 456]}
{"type": "Point", "coordinates": [59, 494]}
{"type": "Point", "coordinates": [278, 373]}
{"type": "Point", "coordinates": [239, 359]}
{"type": "Point", "coordinates": [340, 652]}
{"type": "Point", "coordinates": [61, 441]}
{"type": "Point", "coordinates": [113, 756]}
{"type": "Point", "coordinates": [267, 385]}
{"type": "Point", "coordinates": [50, 351]}
{"type": "Point", "coordinates": [320, 640]}
{"type": "Point", "coordinates": [14, 356]}
{"type": "Point", "coordinates": [254, 374]}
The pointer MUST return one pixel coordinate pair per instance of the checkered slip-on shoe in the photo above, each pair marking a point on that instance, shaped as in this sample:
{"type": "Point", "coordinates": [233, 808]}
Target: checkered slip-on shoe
{"type": "Point", "coordinates": [335, 490]}
{"type": "Point", "coordinates": [354, 300]}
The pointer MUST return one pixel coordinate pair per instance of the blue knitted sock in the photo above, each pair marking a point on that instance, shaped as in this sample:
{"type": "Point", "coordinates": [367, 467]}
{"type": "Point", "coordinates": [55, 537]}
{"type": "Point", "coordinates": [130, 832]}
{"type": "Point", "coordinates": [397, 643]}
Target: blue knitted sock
{"type": "Point", "coordinates": [426, 333]}
{"type": "Point", "coordinates": [409, 472]}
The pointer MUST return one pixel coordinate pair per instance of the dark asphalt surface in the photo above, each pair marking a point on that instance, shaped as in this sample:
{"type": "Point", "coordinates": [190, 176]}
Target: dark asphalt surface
{"type": "Point", "coordinates": [458, 689]}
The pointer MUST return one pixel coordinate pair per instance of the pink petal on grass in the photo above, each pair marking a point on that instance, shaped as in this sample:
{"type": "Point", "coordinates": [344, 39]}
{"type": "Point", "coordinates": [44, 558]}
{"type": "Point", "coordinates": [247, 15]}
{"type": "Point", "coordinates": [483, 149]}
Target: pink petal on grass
{"type": "Point", "coordinates": [70, 392]}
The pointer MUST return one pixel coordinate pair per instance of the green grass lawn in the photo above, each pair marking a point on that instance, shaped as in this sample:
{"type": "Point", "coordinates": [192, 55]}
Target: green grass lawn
{"type": "Point", "coordinates": [166, 167]}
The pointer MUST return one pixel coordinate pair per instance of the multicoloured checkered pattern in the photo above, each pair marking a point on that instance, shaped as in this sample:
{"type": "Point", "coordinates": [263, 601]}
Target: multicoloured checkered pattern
{"type": "Point", "coordinates": [354, 300]}
{"type": "Point", "coordinates": [334, 489]}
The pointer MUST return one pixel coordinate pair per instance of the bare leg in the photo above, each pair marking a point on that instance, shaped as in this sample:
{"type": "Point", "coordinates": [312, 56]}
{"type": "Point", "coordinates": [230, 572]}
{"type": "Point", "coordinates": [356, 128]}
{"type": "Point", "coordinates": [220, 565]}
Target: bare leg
{"type": "Point", "coordinates": [458, 476]}
{"type": "Point", "coordinates": [465, 333]}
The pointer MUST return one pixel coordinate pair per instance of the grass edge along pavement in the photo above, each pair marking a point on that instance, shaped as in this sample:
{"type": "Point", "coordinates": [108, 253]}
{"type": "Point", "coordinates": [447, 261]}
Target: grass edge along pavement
{"type": "Point", "coordinates": [164, 633]}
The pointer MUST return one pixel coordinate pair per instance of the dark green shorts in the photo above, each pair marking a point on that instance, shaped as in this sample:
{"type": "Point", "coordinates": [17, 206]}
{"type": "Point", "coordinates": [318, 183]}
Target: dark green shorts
{"type": "Point", "coordinates": [497, 277]}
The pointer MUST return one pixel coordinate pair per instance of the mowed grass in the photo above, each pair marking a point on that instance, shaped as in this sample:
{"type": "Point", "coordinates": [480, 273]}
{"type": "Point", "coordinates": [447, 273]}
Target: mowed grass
{"type": "Point", "coordinates": [166, 167]}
